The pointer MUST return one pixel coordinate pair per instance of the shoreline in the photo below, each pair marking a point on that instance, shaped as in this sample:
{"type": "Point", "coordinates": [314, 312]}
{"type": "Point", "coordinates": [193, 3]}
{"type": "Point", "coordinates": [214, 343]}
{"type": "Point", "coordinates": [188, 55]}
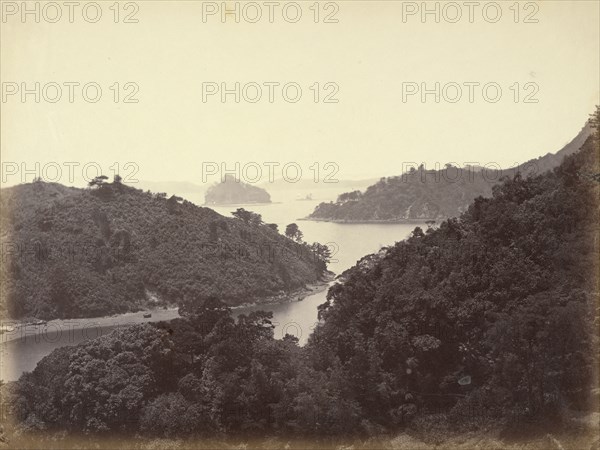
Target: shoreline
{"type": "Point", "coordinates": [371, 221]}
{"type": "Point", "coordinates": [24, 330]}
{"type": "Point", "coordinates": [297, 295]}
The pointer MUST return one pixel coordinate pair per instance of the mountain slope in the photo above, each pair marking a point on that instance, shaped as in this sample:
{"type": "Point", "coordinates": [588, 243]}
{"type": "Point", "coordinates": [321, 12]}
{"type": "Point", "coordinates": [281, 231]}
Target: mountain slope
{"type": "Point", "coordinates": [551, 160]}
{"type": "Point", "coordinates": [492, 317]}
{"type": "Point", "coordinates": [71, 252]}
{"type": "Point", "coordinates": [431, 194]}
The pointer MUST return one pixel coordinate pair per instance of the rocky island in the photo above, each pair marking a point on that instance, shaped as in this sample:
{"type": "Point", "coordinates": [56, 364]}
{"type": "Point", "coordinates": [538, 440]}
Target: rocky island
{"type": "Point", "coordinates": [232, 191]}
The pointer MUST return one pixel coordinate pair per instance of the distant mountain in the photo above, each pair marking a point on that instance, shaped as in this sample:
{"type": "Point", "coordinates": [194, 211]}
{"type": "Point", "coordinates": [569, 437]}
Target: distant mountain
{"type": "Point", "coordinates": [422, 194]}
{"type": "Point", "coordinates": [70, 252]}
{"type": "Point", "coordinates": [310, 185]}
{"type": "Point", "coordinates": [551, 160]}
{"type": "Point", "coordinates": [170, 187]}
{"type": "Point", "coordinates": [231, 191]}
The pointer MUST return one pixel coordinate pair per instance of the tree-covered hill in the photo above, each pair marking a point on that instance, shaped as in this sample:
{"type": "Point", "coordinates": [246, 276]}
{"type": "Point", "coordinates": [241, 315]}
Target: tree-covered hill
{"type": "Point", "coordinates": [232, 191]}
{"type": "Point", "coordinates": [486, 327]}
{"type": "Point", "coordinates": [421, 194]}
{"type": "Point", "coordinates": [71, 252]}
{"type": "Point", "coordinates": [491, 317]}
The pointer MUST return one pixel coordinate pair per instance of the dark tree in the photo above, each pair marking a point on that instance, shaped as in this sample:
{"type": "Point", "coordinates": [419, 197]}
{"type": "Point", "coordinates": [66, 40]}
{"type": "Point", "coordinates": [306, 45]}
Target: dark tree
{"type": "Point", "coordinates": [293, 232]}
{"type": "Point", "coordinates": [98, 181]}
{"type": "Point", "coordinates": [173, 203]}
{"type": "Point", "coordinates": [248, 217]}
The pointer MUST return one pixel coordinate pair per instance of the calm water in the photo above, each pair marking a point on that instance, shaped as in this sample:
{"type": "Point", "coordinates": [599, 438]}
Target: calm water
{"type": "Point", "coordinates": [348, 242]}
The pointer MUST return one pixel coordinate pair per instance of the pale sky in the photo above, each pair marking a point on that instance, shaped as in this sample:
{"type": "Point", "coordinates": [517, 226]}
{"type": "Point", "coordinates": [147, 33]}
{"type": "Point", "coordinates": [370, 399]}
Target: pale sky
{"type": "Point", "coordinates": [368, 54]}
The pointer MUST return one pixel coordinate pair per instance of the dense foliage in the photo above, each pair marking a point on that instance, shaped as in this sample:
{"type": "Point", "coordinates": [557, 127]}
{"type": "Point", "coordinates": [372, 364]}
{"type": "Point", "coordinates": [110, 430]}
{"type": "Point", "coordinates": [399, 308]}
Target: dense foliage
{"type": "Point", "coordinates": [202, 375]}
{"type": "Point", "coordinates": [435, 194]}
{"type": "Point", "coordinates": [489, 317]}
{"type": "Point", "coordinates": [495, 309]}
{"type": "Point", "coordinates": [110, 248]}
{"type": "Point", "coordinates": [233, 191]}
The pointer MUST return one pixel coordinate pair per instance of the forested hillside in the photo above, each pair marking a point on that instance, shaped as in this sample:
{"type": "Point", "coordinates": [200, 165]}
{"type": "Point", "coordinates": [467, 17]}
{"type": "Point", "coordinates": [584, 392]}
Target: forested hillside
{"type": "Point", "coordinates": [111, 248]}
{"type": "Point", "coordinates": [421, 194]}
{"type": "Point", "coordinates": [487, 324]}
{"type": "Point", "coordinates": [492, 316]}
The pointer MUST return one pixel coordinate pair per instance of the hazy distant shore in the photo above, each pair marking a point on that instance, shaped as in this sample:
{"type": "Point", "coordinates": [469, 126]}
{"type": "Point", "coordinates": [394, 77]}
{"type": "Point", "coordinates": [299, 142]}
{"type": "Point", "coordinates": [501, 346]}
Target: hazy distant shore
{"type": "Point", "coordinates": [371, 221]}
{"type": "Point", "coordinates": [208, 205]}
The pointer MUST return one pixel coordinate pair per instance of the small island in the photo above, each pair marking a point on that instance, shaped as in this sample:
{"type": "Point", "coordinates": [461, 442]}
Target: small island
{"type": "Point", "coordinates": [232, 191]}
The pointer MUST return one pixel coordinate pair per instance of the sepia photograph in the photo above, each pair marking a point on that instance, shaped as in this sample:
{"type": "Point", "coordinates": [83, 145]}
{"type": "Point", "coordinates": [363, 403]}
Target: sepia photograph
{"type": "Point", "coordinates": [300, 225]}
